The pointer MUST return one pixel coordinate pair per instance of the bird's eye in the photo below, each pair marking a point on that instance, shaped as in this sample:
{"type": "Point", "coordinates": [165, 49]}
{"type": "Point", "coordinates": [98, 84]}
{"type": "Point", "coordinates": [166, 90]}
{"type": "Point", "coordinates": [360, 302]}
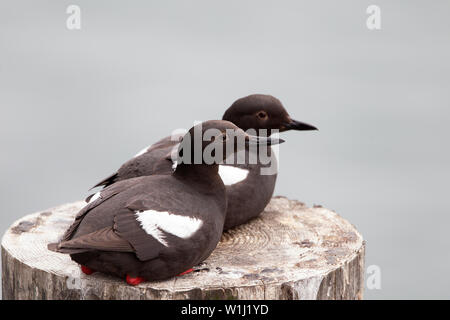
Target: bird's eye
{"type": "Point", "coordinates": [262, 115]}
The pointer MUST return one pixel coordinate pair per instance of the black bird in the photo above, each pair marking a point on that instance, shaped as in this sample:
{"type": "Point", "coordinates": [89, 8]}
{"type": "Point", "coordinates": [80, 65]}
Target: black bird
{"type": "Point", "coordinates": [155, 227]}
{"type": "Point", "coordinates": [248, 190]}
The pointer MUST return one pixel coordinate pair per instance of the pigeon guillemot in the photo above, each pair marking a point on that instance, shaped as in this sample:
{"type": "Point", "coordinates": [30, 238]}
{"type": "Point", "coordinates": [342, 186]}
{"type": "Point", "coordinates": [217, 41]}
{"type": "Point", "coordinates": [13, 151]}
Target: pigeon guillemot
{"type": "Point", "coordinates": [248, 191]}
{"type": "Point", "coordinates": [155, 227]}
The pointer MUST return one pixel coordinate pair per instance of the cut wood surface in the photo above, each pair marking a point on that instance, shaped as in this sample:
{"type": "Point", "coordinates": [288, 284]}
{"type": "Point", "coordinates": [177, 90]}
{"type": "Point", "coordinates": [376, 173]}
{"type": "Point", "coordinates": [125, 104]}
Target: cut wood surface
{"type": "Point", "coordinates": [289, 252]}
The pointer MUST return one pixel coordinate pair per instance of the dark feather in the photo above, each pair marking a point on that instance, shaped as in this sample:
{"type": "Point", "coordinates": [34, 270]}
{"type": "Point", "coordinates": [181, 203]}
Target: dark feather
{"type": "Point", "coordinates": [156, 160]}
{"type": "Point", "coordinates": [146, 247]}
{"type": "Point", "coordinates": [104, 195]}
{"type": "Point", "coordinates": [104, 239]}
{"type": "Point", "coordinates": [105, 182]}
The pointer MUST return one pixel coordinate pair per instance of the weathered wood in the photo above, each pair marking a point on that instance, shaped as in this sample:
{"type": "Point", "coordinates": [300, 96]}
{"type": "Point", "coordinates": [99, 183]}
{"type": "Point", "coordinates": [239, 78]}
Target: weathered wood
{"type": "Point", "coordinates": [290, 252]}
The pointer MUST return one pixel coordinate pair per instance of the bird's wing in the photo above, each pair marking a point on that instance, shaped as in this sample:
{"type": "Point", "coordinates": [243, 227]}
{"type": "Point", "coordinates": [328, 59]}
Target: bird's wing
{"type": "Point", "coordinates": [166, 142]}
{"type": "Point", "coordinates": [104, 239]}
{"type": "Point", "coordinates": [149, 161]}
{"type": "Point", "coordinates": [152, 225]}
{"type": "Point", "coordinates": [100, 197]}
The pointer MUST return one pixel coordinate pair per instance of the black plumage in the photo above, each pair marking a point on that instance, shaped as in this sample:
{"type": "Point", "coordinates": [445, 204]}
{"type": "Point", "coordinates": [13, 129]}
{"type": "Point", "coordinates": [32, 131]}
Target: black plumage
{"type": "Point", "coordinates": [247, 198]}
{"type": "Point", "coordinates": [156, 226]}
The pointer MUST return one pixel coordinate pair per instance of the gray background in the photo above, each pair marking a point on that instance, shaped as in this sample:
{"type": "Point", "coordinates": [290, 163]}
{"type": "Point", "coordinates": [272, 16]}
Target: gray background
{"type": "Point", "coordinates": [76, 104]}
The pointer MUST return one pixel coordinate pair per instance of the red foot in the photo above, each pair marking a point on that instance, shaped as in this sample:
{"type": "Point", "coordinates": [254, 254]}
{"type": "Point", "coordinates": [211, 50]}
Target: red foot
{"type": "Point", "coordinates": [134, 281]}
{"type": "Point", "coordinates": [186, 272]}
{"type": "Point", "coordinates": [87, 270]}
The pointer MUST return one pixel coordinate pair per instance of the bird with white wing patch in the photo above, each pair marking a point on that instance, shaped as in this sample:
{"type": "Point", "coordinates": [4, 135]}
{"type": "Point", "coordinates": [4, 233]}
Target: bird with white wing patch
{"type": "Point", "coordinates": [155, 227]}
{"type": "Point", "coordinates": [249, 185]}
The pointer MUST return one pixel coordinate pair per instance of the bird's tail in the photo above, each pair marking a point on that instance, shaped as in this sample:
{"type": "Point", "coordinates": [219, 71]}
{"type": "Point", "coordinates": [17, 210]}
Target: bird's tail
{"type": "Point", "coordinates": [56, 248]}
{"type": "Point", "coordinates": [107, 181]}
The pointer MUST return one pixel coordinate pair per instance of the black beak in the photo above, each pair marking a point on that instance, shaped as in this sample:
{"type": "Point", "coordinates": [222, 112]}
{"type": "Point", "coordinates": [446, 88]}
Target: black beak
{"type": "Point", "coordinates": [258, 140]}
{"type": "Point", "coordinates": [297, 125]}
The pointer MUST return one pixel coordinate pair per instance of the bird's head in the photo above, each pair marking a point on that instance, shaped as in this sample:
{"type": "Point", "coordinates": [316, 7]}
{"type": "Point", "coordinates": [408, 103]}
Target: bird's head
{"type": "Point", "coordinates": [259, 111]}
{"type": "Point", "coordinates": [211, 142]}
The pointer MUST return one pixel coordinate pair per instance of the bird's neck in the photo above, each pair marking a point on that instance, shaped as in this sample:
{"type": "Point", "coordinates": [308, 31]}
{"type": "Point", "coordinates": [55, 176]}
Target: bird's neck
{"type": "Point", "coordinates": [199, 171]}
{"type": "Point", "coordinates": [205, 177]}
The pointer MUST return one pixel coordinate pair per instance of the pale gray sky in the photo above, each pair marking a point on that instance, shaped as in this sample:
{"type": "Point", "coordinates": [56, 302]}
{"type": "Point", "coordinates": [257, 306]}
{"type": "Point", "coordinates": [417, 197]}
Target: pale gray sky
{"type": "Point", "coordinates": [76, 104]}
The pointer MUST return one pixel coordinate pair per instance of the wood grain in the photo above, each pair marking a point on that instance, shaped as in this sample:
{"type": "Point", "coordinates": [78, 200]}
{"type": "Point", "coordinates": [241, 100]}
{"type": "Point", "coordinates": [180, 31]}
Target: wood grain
{"type": "Point", "coordinates": [289, 252]}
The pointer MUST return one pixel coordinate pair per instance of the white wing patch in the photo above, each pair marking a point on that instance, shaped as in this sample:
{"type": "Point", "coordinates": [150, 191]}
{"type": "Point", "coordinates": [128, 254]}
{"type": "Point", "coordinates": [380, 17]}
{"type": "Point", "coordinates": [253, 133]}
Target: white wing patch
{"type": "Point", "coordinates": [174, 164]}
{"type": "Point", "coordinates": [94, 197]}
{"type": "Point", "coordinates": [140, 153]}
{"type": "Point", "coordinates": [231, 175]}
{"type": "Point", "coordinates": [154, 222]}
